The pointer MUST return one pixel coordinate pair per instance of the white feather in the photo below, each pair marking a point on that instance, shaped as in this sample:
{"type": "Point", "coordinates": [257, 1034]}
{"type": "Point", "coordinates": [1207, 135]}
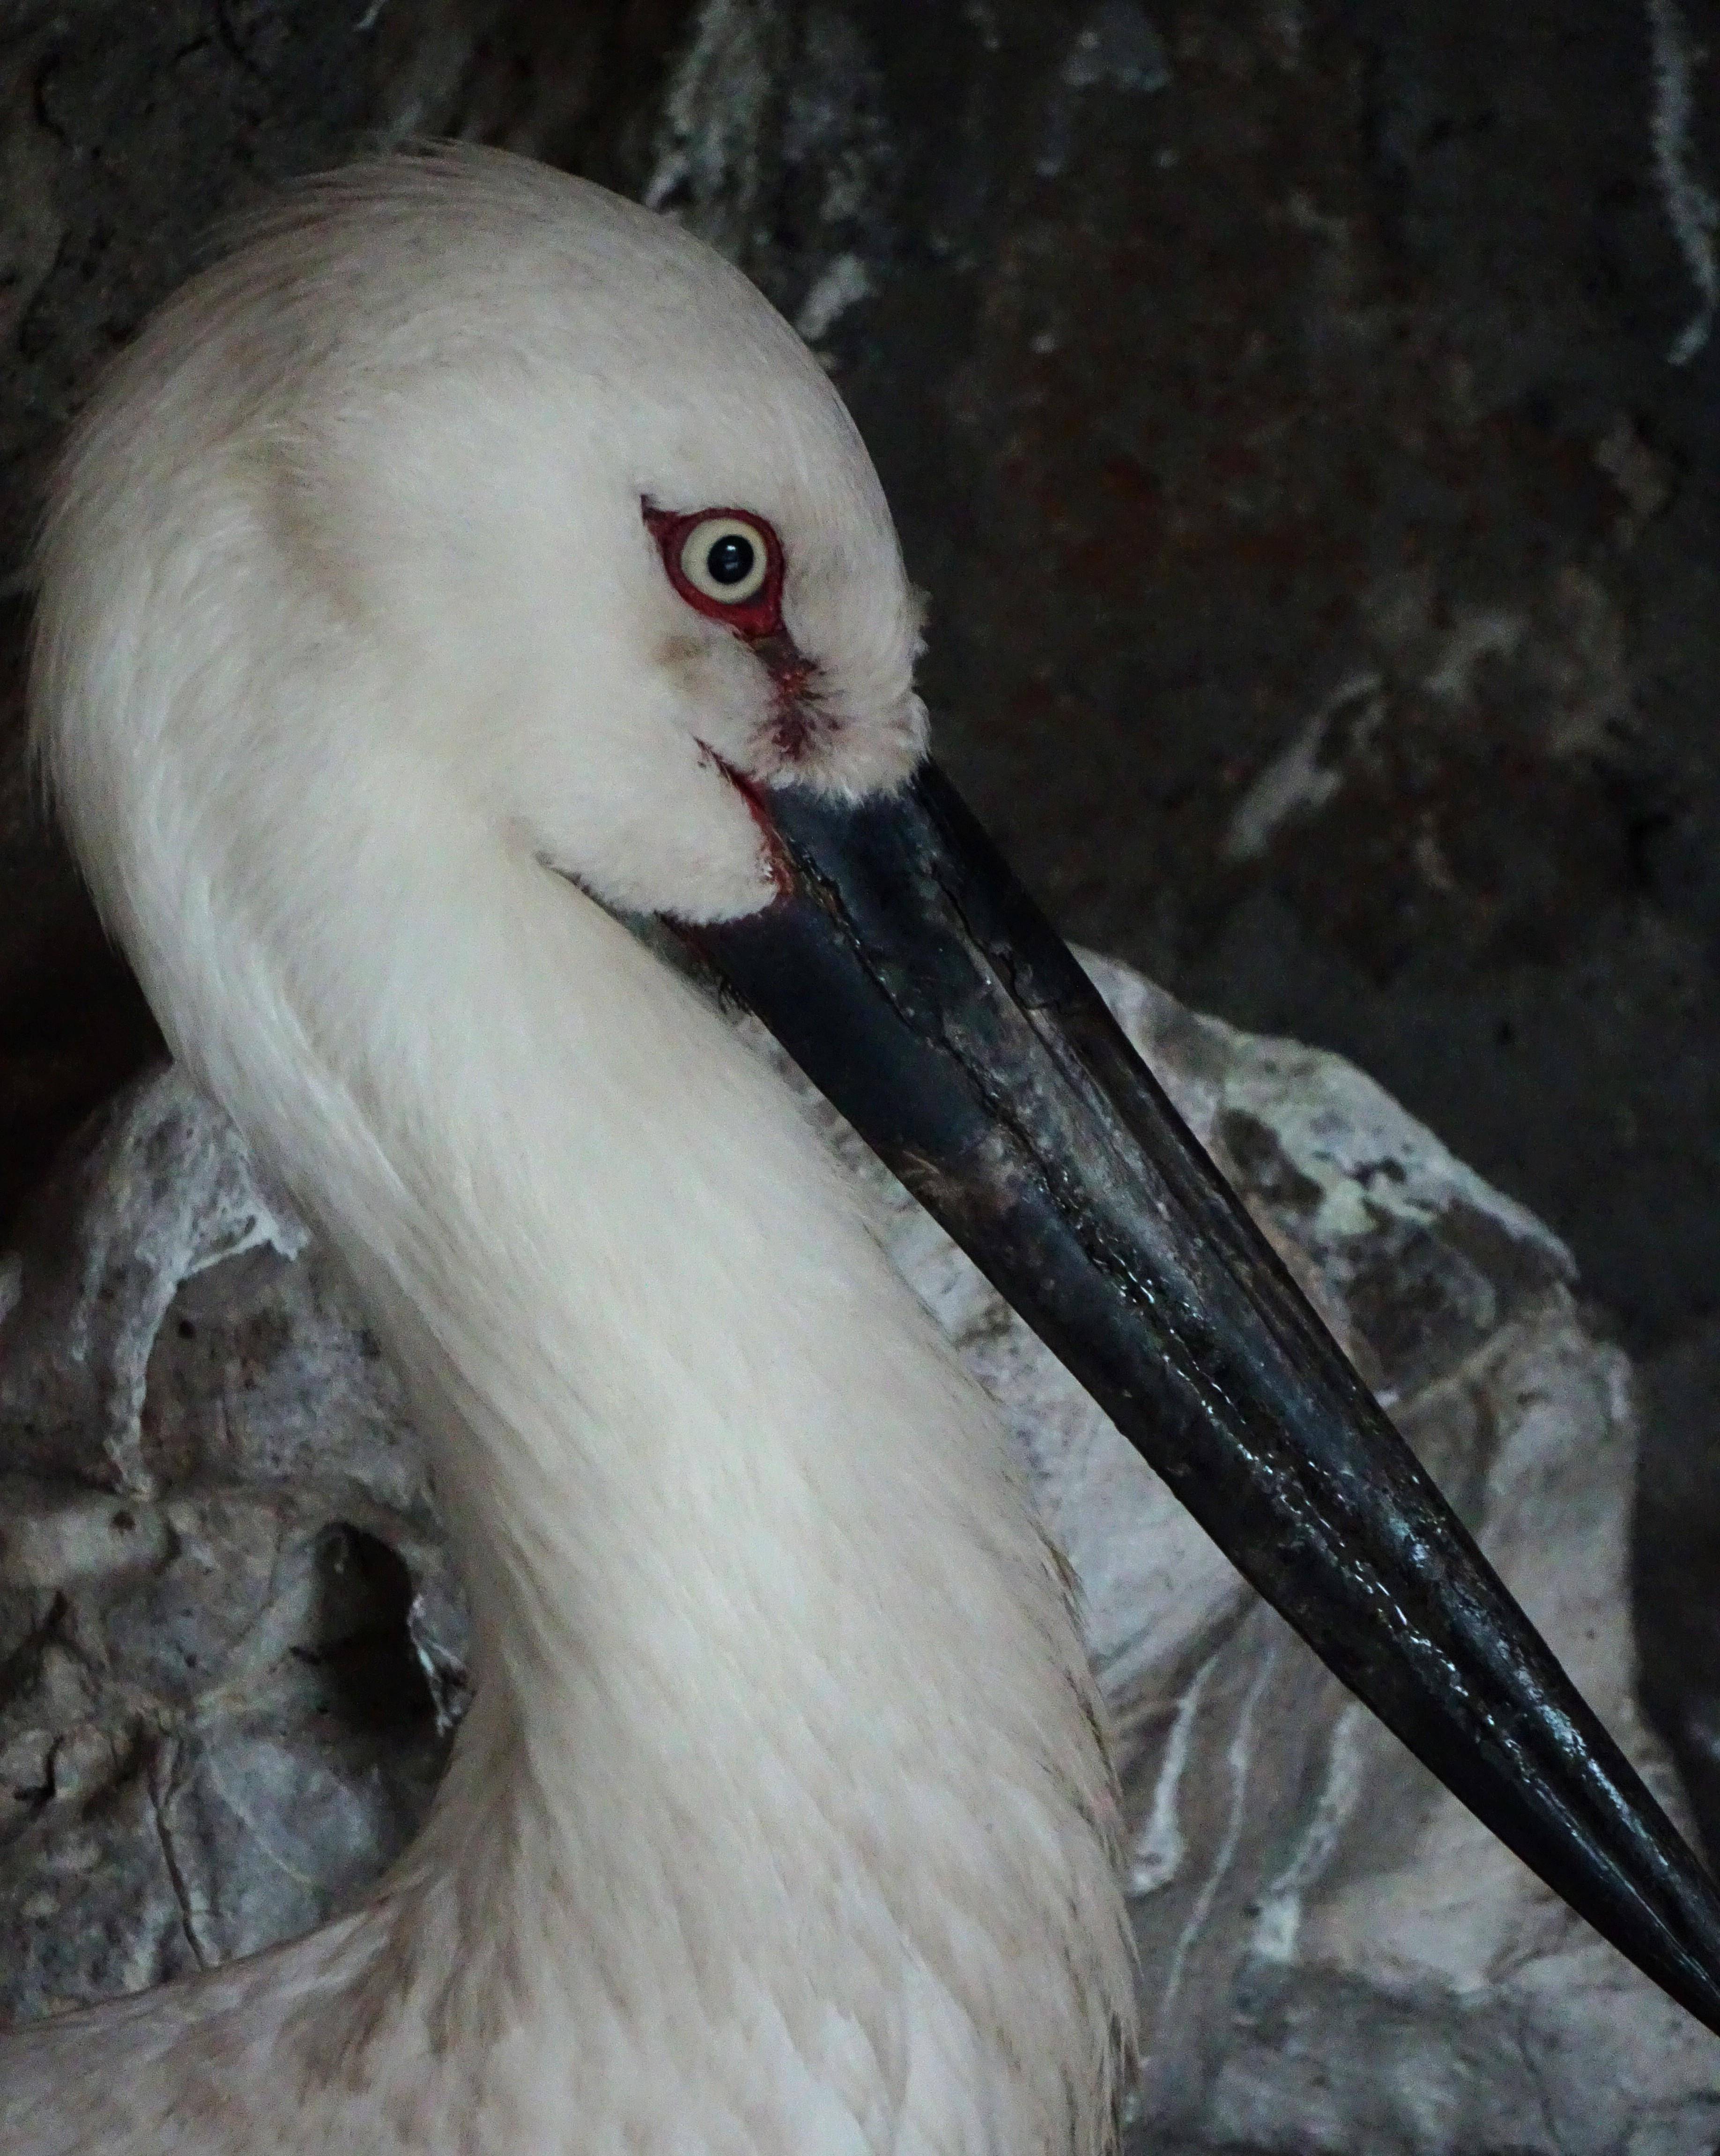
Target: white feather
{"type": "Point", "coordinates": [781, 1820]}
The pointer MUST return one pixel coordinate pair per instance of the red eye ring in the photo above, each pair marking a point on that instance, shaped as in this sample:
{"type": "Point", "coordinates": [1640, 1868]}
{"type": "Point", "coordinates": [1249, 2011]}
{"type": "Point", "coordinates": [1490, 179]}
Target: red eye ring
{"type": "Point", "coordinates": [756, 616]}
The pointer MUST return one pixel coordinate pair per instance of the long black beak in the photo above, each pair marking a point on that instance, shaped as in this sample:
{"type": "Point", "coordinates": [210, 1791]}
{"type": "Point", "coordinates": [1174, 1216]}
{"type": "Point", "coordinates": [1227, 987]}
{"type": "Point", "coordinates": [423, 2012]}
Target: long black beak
{"type": "Point", "coordinates": [922, 991]}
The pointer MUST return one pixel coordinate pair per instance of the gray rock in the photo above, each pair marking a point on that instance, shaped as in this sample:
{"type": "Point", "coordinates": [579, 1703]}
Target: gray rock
{"type": "Point", "coordinates": [231, 1647]}
{"type": "Point", "coordinates": [229, 1641]}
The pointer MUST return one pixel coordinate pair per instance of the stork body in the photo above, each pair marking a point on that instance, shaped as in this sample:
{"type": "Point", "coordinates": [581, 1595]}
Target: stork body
{"type": "Point", "coordinates": [781, 1820]}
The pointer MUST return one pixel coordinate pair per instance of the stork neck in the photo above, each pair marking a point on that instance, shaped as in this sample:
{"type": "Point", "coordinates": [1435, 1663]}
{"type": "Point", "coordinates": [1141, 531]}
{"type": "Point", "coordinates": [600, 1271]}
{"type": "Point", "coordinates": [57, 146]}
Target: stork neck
{"type": "Point", "coordinates": [782, 1742]}
{"type": "Point", "coordinates": [641, 1322]}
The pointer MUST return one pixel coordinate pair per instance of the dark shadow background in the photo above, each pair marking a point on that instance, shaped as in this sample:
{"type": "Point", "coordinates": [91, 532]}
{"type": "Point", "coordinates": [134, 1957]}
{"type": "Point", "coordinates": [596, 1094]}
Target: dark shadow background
{"type": "Point", "coordinates": [1302, 414]}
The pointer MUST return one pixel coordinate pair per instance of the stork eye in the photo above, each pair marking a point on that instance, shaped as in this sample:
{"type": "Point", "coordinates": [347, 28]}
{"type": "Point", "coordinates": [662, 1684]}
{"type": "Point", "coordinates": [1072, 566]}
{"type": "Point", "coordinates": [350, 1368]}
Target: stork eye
{"type": "Point", "coordinates": [726, 558]}
{"type": "Point", "coordinates": [726, 562]}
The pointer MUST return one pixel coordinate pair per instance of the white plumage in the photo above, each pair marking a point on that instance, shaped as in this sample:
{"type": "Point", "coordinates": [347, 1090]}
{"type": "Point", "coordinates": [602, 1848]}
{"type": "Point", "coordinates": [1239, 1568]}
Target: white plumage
{"type": "Point", "coordinates": [782, 1820]}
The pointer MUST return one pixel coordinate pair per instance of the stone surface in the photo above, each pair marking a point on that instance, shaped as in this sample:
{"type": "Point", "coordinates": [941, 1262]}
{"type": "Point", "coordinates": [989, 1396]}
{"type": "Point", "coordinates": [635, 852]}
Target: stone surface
{"type": "Point", "coordinates": [229, 1644]}
{"type": "Point", "coordinates": [230, 1649]}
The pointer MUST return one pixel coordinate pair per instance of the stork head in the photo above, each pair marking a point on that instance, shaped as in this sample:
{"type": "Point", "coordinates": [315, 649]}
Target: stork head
{"type": "Point", "coordinates": [548, 480]}
{"type": "Point", "coordinates": [464, 494]}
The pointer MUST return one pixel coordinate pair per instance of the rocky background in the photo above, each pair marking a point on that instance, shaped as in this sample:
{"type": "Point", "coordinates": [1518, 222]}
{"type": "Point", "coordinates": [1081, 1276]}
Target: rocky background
{"type": "Point", "coordinates": [1302, 418]}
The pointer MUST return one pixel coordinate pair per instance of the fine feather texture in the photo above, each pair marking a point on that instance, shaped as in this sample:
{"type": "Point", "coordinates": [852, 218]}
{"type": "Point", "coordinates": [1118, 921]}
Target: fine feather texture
{"type": "Point", "coordinates": [782, 1820]}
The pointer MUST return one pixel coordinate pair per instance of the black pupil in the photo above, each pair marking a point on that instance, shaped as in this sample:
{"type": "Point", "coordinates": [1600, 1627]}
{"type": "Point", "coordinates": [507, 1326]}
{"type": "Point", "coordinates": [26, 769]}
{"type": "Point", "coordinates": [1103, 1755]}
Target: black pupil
{"type": "Point", "coordinates": [729, 560]}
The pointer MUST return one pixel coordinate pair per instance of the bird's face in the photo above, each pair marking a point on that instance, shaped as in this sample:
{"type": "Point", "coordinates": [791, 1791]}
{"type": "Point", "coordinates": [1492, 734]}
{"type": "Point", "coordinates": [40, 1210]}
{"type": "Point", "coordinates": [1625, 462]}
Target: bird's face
{"type": "Point", "coordinates": [612, 600]}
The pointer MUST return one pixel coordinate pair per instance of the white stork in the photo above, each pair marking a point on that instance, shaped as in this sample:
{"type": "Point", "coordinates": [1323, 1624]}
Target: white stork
{"type": "Point", "coordinates": [471, 561]}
